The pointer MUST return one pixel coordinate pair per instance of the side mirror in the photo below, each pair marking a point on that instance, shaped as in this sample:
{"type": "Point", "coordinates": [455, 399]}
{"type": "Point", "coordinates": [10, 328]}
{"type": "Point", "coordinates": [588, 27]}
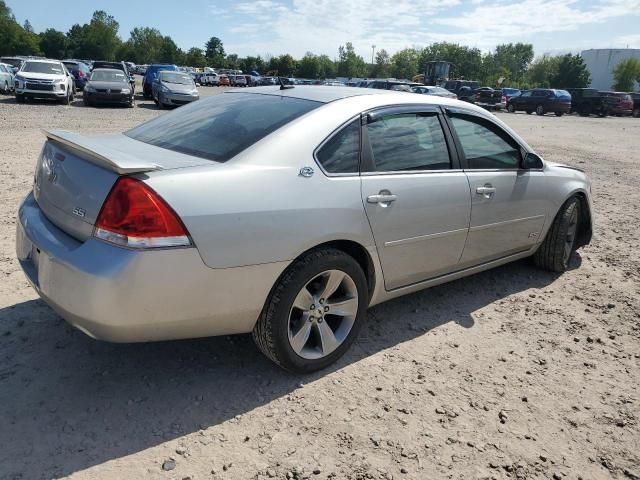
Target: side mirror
{"type": "Point", "coordinates": [532, 161]}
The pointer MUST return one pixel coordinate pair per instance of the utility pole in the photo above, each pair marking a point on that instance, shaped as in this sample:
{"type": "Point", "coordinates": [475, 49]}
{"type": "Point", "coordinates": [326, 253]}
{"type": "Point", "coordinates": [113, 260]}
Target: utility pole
{"type": "Point", "coordinates": [373, 51]}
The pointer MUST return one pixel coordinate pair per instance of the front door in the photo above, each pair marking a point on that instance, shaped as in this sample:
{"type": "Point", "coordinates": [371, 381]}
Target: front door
{"type": "Point", "coordinates": [417, 201]}
{"type": "Point", "coordinates": [508, 203]}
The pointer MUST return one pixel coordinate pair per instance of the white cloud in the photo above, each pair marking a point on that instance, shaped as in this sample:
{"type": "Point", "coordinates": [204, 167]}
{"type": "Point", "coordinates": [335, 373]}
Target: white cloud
{"type": "Point", "coordinates": [321, 26]}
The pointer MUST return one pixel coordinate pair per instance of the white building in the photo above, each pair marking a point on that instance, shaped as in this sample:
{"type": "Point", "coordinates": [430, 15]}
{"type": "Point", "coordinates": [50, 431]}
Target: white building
{"type": "Point", "coordinates": [601, 61]}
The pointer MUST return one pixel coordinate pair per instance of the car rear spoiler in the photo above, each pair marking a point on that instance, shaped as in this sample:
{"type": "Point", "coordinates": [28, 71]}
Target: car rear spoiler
{"type": "Point", "coordinates": [100, 154]}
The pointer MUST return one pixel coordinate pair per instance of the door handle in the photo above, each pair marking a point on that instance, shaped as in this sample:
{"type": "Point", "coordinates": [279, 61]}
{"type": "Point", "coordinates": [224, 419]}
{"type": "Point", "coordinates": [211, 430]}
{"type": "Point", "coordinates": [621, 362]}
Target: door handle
{"type": "Point", "coordinates": [382, 198]}
{"type": "Point", "coordinates": [486, 190]}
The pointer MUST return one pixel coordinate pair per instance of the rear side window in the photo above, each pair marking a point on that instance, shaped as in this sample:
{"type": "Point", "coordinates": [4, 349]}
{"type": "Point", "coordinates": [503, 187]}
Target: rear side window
{"type": "Point", "coordinates": [407, 142]}
{"type": "Point", "coordinates": [221, 126]}
{"type": "Point", "coordinates": [341, 153]}
{"type": "Point", "coordinates": [563, 94]}
{"type": "Point", "coordinates": [485, 146]}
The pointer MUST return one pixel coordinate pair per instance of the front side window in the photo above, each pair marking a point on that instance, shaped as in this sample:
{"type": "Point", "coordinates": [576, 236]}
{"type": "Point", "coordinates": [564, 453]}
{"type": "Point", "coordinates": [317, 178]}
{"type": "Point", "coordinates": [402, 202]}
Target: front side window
{"type": "Point", "coordinates": [485, 146]}
{"type": "Point", "coordinates": [408, 141]}
{"type": "Point", "coordinates": [526, 94]}
{"type": "Point", "coordinates": [221, 126]}
{"type": "Point", "coordinates": [341, 153]}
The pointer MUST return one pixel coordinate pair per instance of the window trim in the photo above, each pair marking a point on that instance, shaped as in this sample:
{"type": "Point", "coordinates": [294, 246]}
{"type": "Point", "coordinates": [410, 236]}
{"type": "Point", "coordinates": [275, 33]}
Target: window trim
{"type": "Point", "coordinates": [367, 166]}
{"type": "Point", "coordinates": [463, 160]}
{"type": "Point", "coordinates": [328, 139]}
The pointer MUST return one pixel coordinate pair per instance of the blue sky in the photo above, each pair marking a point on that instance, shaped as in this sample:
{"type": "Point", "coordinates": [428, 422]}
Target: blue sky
{"type": "Point", "coordinates": [273, 27]}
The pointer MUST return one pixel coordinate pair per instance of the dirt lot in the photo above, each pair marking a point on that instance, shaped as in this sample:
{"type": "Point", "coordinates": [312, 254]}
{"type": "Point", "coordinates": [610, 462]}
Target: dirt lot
{"type": "Point", "coordinates": [512, 373]}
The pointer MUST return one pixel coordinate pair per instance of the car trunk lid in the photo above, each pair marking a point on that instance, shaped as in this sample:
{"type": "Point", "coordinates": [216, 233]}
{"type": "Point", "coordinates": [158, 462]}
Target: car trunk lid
{"type": "Point", "coordinates": [75, 173]}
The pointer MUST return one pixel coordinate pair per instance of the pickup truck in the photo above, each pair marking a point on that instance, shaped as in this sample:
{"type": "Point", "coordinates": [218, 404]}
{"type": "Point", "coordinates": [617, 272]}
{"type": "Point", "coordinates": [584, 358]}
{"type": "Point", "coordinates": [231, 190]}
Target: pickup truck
{"type": "Point", "coordinates": [588, 101]}
{"type": "Point", "coordinates": [485, 97]}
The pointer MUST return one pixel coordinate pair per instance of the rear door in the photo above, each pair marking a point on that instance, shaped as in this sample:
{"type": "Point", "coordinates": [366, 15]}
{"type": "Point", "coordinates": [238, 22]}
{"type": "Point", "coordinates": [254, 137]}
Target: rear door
{"type": "Point", "coordinates": [415, 194]}
{"type": "Point", "coordinates": [508, 203]}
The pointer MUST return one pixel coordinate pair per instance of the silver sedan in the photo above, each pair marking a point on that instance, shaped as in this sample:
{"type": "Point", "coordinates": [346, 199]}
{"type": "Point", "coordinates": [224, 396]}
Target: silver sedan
{"type": "Point", "coordinates": [286, 212]}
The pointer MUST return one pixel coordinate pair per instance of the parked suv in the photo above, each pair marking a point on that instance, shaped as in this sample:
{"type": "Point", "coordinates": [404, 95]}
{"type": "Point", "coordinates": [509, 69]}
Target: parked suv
{"type": "Point", "coordinates": [6, 78]}
{"type": "Point", "coordinates": [541, 101]}
{"type": "Point", "coordinates": [587, 101]}
{"type": "Point", "coordinates": [80, 72]}
{"type": "Point", "coordinates": [387, 84]}
{"type": "Point", "coordinates": [44, 79]}
{"type": "Point", "coordinates": [151, 74]}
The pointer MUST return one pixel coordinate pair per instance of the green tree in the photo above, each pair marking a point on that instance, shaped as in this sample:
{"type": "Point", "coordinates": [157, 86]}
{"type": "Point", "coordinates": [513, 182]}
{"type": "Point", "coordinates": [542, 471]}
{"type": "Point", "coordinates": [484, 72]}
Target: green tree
{"type": "Point", "coordinates": [309, 66]}
{"type": "Point", "coordinates": [195, 58]}
{"type": "Point", "coordinates": [382, 67]}
{"type": "Point", "coordinates": [233, 61]}
{"type": "Point", "coordinates": [404, 64]}
{"type": "Point", "coordinates": [327, 67]}
{"type": "Point", "coordinates": [214, 51]}
{"type": "Point", "coordinates": [466, 62]}
{"type": "Point", "coordinates": [516, 57]}
{"type": "Point", "coordinates": [350, 64]}
{"type": "Point", "coordinates": [144, 45]}
{"type": "Point", "coordinates": [252, 63]}
{"type": "Point", "coordinates": [27, 26]}
{"type": "Point", "coordinates": [284, 64]}
{"type": "Point", "coordinates": [14, 39]}
{"type": "Point", "coordinates": [542, 71]}
{"type": "Point", "coordinates": [53, 43]}
{"type": "Point", "coordinates": [625, 74]}
{"type": "Point", "coordinates": [169, 52]}
{"type": "Point", "coordinates": [571, 72]}
{"type": "Point", "coordinates": [102, 36]}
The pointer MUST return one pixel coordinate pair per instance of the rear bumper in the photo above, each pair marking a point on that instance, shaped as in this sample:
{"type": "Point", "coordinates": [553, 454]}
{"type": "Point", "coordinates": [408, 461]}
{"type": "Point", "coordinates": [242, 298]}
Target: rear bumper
{"type": "Point", "coordinates": [123, 295]}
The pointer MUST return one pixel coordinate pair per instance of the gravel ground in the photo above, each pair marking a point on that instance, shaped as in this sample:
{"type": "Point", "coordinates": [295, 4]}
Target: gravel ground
{"type": "Point", "coordinates": [511, 373]}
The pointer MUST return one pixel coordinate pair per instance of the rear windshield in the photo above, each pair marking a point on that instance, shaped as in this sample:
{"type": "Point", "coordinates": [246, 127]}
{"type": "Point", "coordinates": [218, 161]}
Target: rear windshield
{"type": "Point", "coordinates": [563, 94]}
{"type": "Point", "coordinates": [108, 76]}
{"type": "Point", "coordinates": [42, 67]}
{"type": "Point", "coordinates": [220, 127]}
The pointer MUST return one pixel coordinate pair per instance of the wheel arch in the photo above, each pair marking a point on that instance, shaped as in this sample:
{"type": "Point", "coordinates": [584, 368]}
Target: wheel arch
{"type": "Point", "coordinates": [585, 231]}
{"type": "Point", "coordinates": [350, 247]}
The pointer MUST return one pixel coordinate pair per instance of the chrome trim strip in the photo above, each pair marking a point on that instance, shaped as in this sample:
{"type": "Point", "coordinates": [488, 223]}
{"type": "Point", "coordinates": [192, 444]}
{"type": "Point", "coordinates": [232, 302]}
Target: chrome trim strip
{"type": "Point", "coordinates": [404, 241]}
{"type": "Point", "coordinates": [506, 222]}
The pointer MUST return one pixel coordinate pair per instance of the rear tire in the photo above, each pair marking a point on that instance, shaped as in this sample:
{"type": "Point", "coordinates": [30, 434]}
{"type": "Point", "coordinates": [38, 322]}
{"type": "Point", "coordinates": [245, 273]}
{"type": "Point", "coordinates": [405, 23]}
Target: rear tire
{"type": "Point", "coordinates": [636, 112]}
{"type": "Point", "coordinates": [555, 251]}
{"type": "Point", "coordinates": [529, 112]}
{"type": "Point", "coordinates": [511, 108]}
{"type": "Point", "coordinates": [585, 110]}
{"type": "Point", "coordinates": [281, 320]}
{"type": "Point", "coordinates": [540, 110]}
{"type": "Point", "coordinates": [559, 114]}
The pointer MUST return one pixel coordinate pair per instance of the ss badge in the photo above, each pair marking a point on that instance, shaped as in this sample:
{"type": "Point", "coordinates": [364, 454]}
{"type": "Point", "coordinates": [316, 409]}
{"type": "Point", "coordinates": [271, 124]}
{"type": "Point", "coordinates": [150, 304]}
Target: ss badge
{"type": "Point", "coordinates": [81, 212]}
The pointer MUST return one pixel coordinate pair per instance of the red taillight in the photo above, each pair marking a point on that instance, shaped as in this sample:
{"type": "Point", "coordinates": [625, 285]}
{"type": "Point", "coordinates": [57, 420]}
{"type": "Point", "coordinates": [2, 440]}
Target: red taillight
{"type": "Point", "coordinates": [81, 74]}
{"type": "Point", "coordinates": [134, 215]}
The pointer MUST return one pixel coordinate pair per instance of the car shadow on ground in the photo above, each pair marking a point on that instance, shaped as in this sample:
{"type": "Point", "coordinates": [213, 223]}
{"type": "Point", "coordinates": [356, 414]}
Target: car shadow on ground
{"type": "Point", "coordinates": [78, 402]}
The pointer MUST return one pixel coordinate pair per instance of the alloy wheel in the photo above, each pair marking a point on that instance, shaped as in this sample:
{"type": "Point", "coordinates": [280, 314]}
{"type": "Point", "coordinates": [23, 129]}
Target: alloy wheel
{"type": "Point", "coordinates": [323, 314]}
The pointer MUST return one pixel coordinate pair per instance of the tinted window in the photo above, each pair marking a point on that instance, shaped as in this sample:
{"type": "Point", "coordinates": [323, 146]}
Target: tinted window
{"type": "Point", "coordinates": [43, 67]}
{"type": "Point", "coordinates": [408, 142]}
{"type": "Point", "coordinates": [563, 94]}
{"type": "Point", "coordinates": [525, 94]}
{"type": "Point", "coordinates": [222, 126]}
{"type": "Point", "coordinates": [341, 154]}
{"type": "Point", "coordinates": [485, 145]}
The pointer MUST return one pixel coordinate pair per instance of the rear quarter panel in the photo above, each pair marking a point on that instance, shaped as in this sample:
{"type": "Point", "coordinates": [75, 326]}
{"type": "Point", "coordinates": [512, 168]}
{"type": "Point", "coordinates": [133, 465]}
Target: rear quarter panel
{"type": "Point", "coordinates": [256, 208]}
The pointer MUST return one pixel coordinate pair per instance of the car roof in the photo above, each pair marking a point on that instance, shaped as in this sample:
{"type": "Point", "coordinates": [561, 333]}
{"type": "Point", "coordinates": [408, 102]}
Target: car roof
{"type": "Point", "coordinates": [41, 60]}
{"type": "Point", "coordinates": [316, 93]}
{"type": "Point", "coordinates": [103, 69]}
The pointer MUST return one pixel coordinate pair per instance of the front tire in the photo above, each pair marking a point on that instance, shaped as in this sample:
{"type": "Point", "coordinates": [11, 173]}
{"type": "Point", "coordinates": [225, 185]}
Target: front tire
{"type": "Point", "coordinates": [559, 244]}
{"type": "Point", "coordinates": [511, 108]}
{"type": "Point", "coordinates": [540, 110]}
{"type": "Point", "coordinates": [559, 114]}
{"type": "Point", "coordinates": [314, 312]}
{"type": "Point", "coordinates": [636, 112]}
